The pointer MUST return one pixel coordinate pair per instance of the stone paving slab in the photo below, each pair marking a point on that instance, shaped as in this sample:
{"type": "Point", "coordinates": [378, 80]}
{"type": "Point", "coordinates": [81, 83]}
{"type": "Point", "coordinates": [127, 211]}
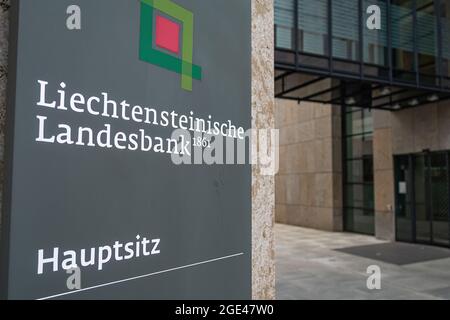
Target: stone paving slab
{"type": "Point", "coordinates": [310, 265]}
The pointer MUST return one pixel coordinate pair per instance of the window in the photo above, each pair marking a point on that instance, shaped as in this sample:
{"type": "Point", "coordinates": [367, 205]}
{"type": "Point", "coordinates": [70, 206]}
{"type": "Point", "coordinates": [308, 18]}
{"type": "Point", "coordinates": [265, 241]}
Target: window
{"type": "Point", "coordinates": [345, 22]}
{"type": "Point", "coordinates": [313, 26]}
{"type": "Point", "coordinates": [375, 41]}
{"type": "Point", "coordinates": [402, 18]}
{"type": "Point", "coordinates": [284, 24]}
{"type": "Point", "coordinates": [358, 169]}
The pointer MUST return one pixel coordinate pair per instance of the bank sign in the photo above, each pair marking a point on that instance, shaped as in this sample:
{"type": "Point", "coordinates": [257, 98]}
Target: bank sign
{"type": "Point", "coordinates": [115, 109]}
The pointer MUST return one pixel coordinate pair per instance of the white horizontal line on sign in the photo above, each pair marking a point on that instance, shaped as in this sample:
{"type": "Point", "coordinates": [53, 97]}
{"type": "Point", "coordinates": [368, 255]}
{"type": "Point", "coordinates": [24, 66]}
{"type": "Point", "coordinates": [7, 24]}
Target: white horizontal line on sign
{"type": "Point", "coordinates": [142, 276]}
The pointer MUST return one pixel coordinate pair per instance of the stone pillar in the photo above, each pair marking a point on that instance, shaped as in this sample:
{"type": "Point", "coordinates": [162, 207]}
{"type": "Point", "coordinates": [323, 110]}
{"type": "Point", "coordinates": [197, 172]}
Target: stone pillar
{"type": "Point", "coordinates": [263, 187]}
{"type": "Point", "coordinates": [383, 163]}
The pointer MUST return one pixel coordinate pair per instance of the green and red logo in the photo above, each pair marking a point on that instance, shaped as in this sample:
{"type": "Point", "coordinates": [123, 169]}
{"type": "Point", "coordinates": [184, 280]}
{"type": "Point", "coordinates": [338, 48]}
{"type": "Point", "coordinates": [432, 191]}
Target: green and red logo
{"type": "Point", "coordinates": [167, 39]}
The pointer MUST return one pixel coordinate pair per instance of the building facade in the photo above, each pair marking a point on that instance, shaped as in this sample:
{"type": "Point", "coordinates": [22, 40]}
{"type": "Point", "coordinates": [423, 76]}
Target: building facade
{"type": "Point", "coordinates": [364, 117]}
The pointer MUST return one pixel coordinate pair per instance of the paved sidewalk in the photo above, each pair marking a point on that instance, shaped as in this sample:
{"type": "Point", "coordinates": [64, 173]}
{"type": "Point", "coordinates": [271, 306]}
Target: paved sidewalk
{"type": "Point", "coordinates": [309, 267]}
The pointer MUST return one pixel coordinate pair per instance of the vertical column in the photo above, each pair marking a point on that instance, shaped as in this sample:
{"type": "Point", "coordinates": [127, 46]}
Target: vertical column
{"type": "Point", "coordinates": [337, 153]}
{"type": "Point", "coordinates": [383, 176]}
{"type": "Point", "coordinates": [4, 31]}
{"type": "Point", "coordinates": [263, 187]}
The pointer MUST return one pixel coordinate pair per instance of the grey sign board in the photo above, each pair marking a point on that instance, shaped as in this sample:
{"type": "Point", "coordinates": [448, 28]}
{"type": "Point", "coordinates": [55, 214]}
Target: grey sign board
{"type": "Point", "coordinates": [95, 207]}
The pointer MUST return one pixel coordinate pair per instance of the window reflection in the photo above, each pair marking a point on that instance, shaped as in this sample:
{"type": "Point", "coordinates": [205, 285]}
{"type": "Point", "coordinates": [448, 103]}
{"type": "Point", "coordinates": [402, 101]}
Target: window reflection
{"type": "Point", "coordinates": [313, 26]}
{"type": "Point", "coordinates": [410, 28]}
{"type": "Point", "coordinates": [375, 41]}
{"type": "Point", "coordinates": [358, 164]}
{"type": "Point", "coordinates": [402, 17]}
{"type": "Point", "coordinates": [345, 29]}
{"type": "Point", "coordinates": [427, 41]}
{"type": "Point", "coordinates": [284, 24]}
{"type": "Point", "coordinates": [445, 31]}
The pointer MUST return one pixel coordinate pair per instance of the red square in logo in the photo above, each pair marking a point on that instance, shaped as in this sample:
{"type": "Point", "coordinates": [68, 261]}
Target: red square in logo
{"type": "Point", "coordinates": [167, 34]}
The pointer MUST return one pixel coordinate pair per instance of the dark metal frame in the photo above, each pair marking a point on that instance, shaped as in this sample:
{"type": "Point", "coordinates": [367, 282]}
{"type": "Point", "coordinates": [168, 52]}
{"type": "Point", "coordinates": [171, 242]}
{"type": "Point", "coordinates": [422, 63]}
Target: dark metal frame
{"type": "Point", "coordinates": [428, 194]}
{"type": "Point", "coordinates": [418, 90]}
{"type": "Point", "coordinates": [345, 160]}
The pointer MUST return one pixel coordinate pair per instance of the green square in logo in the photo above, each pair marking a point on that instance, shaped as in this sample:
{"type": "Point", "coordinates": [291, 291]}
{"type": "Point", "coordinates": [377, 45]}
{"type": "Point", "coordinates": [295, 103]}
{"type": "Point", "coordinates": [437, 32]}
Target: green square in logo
{"type": "Point", "coordinates": [181, 65]}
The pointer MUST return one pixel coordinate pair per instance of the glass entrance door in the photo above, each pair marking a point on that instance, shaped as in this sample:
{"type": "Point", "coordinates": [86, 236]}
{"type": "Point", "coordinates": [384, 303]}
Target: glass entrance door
{"type": "Point", "coordinates": [439, 204]}
{"type": "Point", "coordinates": [422, 212]}
{"type": "Point", "coordinates": [422, 198]}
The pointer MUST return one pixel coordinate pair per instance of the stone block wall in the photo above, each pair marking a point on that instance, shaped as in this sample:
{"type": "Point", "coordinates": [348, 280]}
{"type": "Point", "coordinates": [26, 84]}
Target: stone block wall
{"type": "Point", "coordinates": [308, 187]}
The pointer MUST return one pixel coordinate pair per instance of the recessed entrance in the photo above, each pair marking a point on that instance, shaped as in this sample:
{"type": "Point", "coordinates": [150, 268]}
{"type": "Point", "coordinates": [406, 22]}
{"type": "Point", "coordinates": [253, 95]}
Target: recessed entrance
{"type": "Point", "coordinates": [422, 198]}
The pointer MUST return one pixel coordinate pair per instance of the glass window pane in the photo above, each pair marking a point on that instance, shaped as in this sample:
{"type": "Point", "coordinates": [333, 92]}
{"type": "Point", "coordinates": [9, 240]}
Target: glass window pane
{"type": "Point", "coordinates": [360, 171]}
{"type": "Point", "coordinates": [359, 220]}
{"type": "Point", "coordinates": [440, 198]}
{"type": "Point", "coordinates": [423, 225]}
{"type": "Point", "coordinates": [359, 146]}
{"type": "Point", "coordinates": [403, 196]}
{"type": "Point", "coordinates": [445, 26]}
{"type": "Point", "coordinates": [427, 41]}
{"type": "Point", "coordinates": [359, 122]}
{"type": "Point", "coordinates": [313, 26]}
{"type": "Point", "coordinates": [354, 123]}
{"type": "Point", "coordinates": [367, 121]}
{"type": "Point", "coordinates": [284, 24]}
{"type": "Point", "coordinates": [375, 41]}
{"type": "Point", "coordinates": [404, 225]}
{"type": "Point", "coordinates": [360, 196]}
{"type": "Point", "coordinates": [355, 171]}
{"type": "Point", "coordinates": [345, 22]}
{"type": "Point", "coordinates": [358, 180]}
{"type": "Point", "coordinates": [403, 39]}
